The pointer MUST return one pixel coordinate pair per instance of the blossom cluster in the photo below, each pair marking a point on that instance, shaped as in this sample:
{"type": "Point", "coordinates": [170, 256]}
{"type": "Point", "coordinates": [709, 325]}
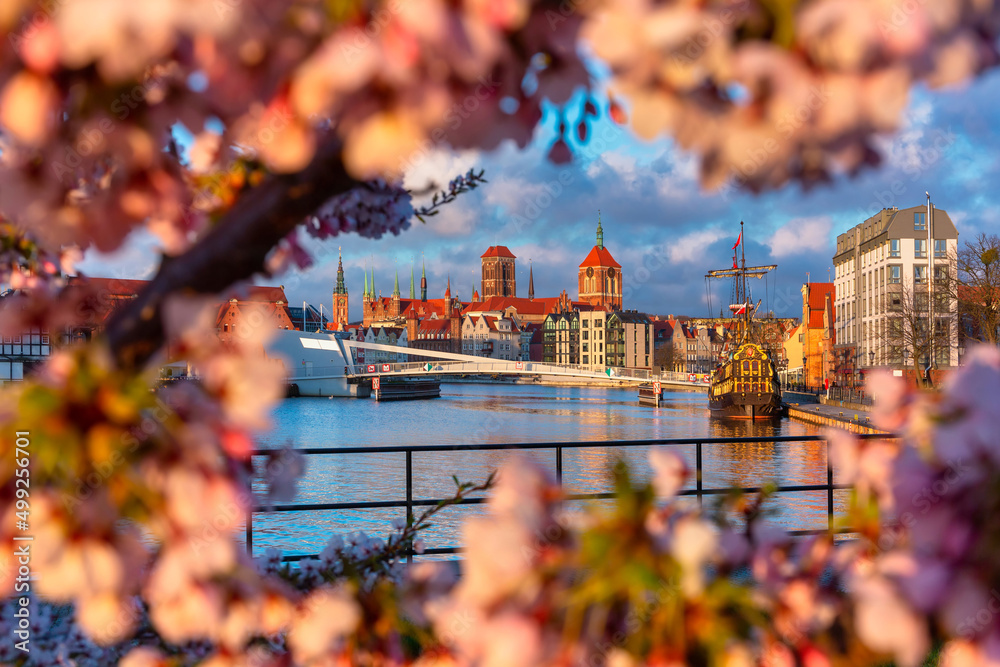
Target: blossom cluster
{"type": "Point", "coordinates": [649, 581]}
{"type": "Point", "coordinates": [761, 92]}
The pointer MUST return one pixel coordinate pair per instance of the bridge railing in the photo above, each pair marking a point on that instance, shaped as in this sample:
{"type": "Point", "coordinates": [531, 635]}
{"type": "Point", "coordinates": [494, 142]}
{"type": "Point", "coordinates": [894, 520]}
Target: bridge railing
{"type": "Point", "coordinates": [409, 502]}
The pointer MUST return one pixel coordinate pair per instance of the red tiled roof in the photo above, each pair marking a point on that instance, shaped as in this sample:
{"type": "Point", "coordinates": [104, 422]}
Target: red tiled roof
{"type": "Point", "coordinates": [498, 251]}
{"type": "Point", "coordinates": [434, 325]}
{"type": "Point", "coordinates": [600, 257]}
{"type": "Point", "coordinates": [817, 295]}
{"type": "Point", "coordinates": [817, 303]}
{"type": "Point", "coordinates": [111, 286]}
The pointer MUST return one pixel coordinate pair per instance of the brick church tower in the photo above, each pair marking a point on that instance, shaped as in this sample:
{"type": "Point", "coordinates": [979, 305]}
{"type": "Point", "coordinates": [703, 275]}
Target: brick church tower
{"type": "Point", "coordinates": [600, 276]}
{"type": "Point", "coordinates": [498, 272]}
{"type": "Point", "coordinates": [340, 302]}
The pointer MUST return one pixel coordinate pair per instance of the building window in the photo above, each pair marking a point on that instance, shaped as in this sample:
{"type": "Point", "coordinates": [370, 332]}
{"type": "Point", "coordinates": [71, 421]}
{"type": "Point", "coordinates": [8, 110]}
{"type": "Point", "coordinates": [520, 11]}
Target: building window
{"type": "Point", "coordinates": [919, 275]}
{"type": "Point", "coordinates": [940, 274]}
{"type": "Point", "coordinates": [919, 222]}
{"type": "Point", "coordinates": [895, 274]}
{"type": "Point", "coordinates": [940, 248]}
{"type": "Point", "coordinates": [920, 248]}
{"type": "Point", "coordinates": [586, 359]}
{"type": "Point", "coordinates": [894, 248]}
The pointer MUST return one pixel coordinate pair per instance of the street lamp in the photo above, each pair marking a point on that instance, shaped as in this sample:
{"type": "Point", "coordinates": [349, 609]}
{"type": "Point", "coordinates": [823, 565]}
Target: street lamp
{"type": "Point", "coordinates": [803, 370]}
{"type": "Point", "coordinates": [871, 357]}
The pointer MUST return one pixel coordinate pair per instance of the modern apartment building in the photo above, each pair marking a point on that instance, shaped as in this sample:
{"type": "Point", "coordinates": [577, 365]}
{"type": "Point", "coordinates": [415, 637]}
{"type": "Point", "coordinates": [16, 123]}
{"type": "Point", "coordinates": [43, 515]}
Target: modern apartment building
{"type": "Point", "coordinates": [592, 339]}
{"type": "Point", "coordinates": [888, 271]}
{"type": "Point", "coordinates": [561, 338]}
{"type": "Point", "coordinates": [630, 340]}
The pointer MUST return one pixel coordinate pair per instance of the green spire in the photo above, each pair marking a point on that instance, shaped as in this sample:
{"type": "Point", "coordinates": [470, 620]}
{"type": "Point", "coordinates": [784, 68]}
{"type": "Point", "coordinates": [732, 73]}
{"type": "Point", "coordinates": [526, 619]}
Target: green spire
{"type": "Point", "coordinates": [423, 279]}
{"type": "Point", "coordinates": [341, 287]}
{"type": "Point", "coordinates": [366, 281]}
{"type": "Point", "coordinates": [395, 291]}
{"type": "Point", "coordinates": [600, 231]}
{"type": "Point", "coordinates": [413, 294]}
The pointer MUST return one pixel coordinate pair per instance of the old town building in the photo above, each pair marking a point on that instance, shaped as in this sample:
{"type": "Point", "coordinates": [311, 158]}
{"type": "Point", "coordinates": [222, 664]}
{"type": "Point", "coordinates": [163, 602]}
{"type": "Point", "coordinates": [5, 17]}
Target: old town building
{"type": "Point", "coordinates": [816, 334]}
{"type": "Point", "coordinates": [491, 335]}
{"type": "Point", "coordinates": [600, 277]}
{"type": "Point", "coordinates": [340, 301]}
{"type": "Point", "coordinates": [499, 277]}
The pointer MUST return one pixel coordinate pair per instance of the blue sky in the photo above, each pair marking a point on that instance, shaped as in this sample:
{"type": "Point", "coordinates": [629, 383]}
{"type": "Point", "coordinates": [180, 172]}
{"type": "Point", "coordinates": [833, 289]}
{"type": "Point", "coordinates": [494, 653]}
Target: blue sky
{"type": "Point", "coordinates": [657, 223]}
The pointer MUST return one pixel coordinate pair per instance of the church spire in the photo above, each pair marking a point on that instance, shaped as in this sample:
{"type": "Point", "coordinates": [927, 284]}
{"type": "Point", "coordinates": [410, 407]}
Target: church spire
{"type": "Point", "coordinates": [423, 280]}
{"type": "Point", "coordinates": [341, 287]}
{"type": "Point", "coordinates": [447, 290]}
{"type": "Point", "coordinates": [413, 294]}
{"type": "Point", "coordinates": [531, 281]}
{"type": "Point", "coordinates": [395, 291]}
{"type": "Point", "coordinates": [600, 231]}
{"type": "Point", "coordinates": [366, 282]}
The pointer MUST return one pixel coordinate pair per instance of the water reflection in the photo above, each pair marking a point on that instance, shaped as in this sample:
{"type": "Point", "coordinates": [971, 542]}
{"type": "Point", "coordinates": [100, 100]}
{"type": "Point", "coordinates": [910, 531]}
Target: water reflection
{"type": "Point", "coordinates": [516, 414]}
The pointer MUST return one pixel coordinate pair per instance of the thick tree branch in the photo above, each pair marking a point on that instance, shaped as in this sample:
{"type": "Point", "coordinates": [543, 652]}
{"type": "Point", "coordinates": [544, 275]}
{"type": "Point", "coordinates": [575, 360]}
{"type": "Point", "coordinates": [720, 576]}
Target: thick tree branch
{"type": "Point", "coordinates": [234, 250]}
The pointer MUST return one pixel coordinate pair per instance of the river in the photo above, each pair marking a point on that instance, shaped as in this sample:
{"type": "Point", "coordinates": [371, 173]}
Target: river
{"type": "Point", "coordinates": [505, 413]}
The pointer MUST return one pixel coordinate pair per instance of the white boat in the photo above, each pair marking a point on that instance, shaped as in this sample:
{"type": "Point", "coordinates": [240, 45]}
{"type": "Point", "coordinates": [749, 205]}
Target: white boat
{"type": "Point", "coordinates": [317, 364]}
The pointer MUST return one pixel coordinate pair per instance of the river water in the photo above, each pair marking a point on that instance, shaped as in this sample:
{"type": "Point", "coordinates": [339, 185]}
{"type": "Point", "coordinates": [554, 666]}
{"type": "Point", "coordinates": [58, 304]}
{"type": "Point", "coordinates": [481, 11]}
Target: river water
{"type": "Point", "coordinates": [504, 413]}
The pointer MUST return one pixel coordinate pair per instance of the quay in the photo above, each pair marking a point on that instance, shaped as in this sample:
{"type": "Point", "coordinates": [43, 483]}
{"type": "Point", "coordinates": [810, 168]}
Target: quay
{"type": "Point", "coordinates": [855, 421]}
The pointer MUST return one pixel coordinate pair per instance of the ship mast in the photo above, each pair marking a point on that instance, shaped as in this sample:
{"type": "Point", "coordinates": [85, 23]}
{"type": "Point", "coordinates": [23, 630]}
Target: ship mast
{"type": "Point", "coordinates": [743, 309]}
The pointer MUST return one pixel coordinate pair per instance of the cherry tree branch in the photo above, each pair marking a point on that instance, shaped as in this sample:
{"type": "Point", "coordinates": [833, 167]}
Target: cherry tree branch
{"type": "Point", "coordinates": [235, 249]}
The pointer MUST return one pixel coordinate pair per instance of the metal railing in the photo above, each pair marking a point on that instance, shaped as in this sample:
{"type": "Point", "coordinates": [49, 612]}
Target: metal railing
{"type": "Point", "coordinates": [850, 395]}
{"type": "Point", "coordinates": [802, 388]}
{"type": "Point", "coordinates": [409, 502]}
{"type": "Point", "coordinates": [488, 366]}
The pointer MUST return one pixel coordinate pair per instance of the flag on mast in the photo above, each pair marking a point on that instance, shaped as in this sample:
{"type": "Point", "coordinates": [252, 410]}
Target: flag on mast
{"type": "Point", "coordinates": [738, 239]}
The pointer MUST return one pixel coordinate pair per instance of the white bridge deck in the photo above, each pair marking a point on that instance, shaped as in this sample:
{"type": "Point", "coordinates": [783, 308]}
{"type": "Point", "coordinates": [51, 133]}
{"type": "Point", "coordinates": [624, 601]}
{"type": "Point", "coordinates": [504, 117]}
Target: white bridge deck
{"type": "Point", "coordinates": [449, 363]}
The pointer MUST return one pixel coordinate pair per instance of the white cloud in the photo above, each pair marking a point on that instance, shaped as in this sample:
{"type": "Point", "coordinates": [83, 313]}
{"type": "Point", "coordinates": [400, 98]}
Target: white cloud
{"type": "Point", "coordinates": [801, 235]}
{"type": "Point", "coordinates": [689, 247]}
{"type": "Point", "coordinates": [137, 258]}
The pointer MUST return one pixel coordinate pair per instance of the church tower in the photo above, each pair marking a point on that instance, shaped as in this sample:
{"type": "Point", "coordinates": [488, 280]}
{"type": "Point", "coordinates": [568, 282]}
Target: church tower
{"type": "Point", "coordinates": [340, 301]}
{"type": "Point", "coordinates": [600, 277]}
{"type": "Point", "coordinates": [498, 272]}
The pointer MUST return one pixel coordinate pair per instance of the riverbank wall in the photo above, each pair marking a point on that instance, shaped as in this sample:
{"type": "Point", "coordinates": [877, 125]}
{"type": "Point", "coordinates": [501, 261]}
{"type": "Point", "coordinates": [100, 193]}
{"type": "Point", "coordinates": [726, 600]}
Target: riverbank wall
{"type": "Point", "coordinates": [822, 415]}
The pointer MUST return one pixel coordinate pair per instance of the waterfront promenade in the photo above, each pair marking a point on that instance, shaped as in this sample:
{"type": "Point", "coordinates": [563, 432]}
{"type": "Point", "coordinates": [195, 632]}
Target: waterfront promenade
{"type": "Point", "coordinates": [855, 421]}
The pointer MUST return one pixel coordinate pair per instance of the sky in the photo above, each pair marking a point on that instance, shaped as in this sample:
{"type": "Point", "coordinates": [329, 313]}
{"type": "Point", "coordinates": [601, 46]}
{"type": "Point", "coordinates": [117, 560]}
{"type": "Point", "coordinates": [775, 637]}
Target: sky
{"type": "Point", "coordinates": [658, 224]}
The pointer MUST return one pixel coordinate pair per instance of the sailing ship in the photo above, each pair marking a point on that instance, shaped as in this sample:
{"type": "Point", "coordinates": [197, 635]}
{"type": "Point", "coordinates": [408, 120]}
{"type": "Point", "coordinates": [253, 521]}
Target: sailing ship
{"type": "Point", "coordinates": [745, 384]}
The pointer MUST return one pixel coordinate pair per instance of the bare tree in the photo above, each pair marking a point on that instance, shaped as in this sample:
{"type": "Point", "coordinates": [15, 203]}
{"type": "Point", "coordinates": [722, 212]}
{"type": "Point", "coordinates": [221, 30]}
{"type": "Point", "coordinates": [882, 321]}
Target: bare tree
{"type": "Point", "coordinates": [667, 356]}
{"type": "Point", "coordinates": [906, 333]}
{"type": "Point", "coordinates": [978, 287]}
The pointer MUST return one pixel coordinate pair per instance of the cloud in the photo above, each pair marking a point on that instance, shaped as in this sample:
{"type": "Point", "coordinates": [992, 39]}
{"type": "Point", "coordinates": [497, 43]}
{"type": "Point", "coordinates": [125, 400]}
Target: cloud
{"type": "Point", "coordinates": [690, 247]}
{"type": "Point", "coordinates": [801, 235]}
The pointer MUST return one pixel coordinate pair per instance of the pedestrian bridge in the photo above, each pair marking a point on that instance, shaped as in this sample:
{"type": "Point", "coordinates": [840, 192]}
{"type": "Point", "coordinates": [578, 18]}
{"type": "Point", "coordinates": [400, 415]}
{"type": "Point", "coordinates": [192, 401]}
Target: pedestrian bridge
{"type": "Point", "coordinates": [433, 362]}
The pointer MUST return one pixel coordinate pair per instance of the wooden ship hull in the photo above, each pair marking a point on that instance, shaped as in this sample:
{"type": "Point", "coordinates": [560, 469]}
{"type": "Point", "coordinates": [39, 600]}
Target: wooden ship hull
{"type": "Point", "coordinates": [745, 387]}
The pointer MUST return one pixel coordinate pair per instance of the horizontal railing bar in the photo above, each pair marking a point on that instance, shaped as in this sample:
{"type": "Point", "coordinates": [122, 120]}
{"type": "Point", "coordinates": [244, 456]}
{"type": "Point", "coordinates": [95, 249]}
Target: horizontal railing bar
{"type": "Point", "coordinates": [383, 504]}
{"type": "Point", "coordinates": [401, 449]}
{"type": "Point", "coordinates": [444, 551]}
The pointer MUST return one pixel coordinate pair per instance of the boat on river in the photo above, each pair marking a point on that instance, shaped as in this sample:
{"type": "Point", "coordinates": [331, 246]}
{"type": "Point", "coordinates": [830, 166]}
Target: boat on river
{"type": "Point", "coordinates": [744, 384]}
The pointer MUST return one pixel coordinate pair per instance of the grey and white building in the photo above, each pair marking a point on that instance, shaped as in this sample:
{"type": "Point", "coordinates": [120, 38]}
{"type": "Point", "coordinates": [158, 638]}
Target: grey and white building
{"type": "Point", "coordinates": [888, 270]}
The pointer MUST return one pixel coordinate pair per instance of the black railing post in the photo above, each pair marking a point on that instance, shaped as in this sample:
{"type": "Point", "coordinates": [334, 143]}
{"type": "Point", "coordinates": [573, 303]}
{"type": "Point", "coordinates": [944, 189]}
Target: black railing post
{"type": "Point", "coordinates": [559, 466]}
{"type": "Point", "coordinates": [409, 497]}
{"type": "Point", "coordinates": [697, 464]}
{"type": "Point", "coordinates": [250, 527]}
{"type": "Point", "coordinates": [829, 487]}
